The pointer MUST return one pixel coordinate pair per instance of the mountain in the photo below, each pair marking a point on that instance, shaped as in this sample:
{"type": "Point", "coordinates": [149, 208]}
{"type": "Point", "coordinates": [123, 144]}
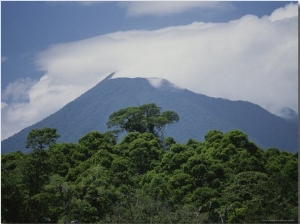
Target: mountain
{"type": "Point", "coordinates": [198, 114]}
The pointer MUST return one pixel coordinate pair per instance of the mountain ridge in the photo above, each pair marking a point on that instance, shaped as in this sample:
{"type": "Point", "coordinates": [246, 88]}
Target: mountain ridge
{"type": "Point", "coordinates": [198, 114]}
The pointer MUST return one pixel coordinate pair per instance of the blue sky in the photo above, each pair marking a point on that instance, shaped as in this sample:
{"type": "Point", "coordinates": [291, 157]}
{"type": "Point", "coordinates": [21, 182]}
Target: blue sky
{"type": "Point", "coordinates": [37, 36]}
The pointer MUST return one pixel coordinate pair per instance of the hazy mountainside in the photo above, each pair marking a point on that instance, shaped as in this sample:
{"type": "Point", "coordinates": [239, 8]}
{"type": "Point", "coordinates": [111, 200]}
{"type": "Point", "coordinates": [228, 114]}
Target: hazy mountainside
{"type": "Point", "coordinates": [197, 113]}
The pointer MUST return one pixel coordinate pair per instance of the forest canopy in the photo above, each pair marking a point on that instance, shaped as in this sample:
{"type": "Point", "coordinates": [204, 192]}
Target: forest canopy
{"type": "Point", "coordinates": [224, 179]}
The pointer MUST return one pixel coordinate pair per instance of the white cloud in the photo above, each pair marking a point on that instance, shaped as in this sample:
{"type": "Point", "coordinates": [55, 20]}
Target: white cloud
{"type": "Point", "coordinates": [161, 8]}
{"type": "Point", "coordinates": [284, 13]}
{"type": "Point", "coordinates": [17, 91]}
{"type": "Point", "coordinates": [155, 82]}
{"type": "Point", "coordinates": [253, 59]}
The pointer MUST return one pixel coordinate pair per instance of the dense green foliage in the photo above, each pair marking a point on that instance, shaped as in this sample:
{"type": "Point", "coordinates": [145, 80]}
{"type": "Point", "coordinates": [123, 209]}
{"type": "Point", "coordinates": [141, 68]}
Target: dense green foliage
{"type": "Point", "coordinates": [144, 118]}
{"type": "Point", "coordinates": [224, 179]}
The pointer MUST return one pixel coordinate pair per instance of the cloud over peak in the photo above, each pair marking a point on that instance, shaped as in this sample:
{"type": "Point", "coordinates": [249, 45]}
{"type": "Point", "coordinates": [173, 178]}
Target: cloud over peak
{"type": "Point", "coordinates": [253, 59]}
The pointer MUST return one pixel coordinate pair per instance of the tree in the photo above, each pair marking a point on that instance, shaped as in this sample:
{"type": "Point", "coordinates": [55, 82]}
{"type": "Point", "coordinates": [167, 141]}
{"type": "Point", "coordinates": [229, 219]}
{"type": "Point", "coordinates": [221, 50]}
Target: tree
{"type": "Point", "coordinates": [13, 190]}
{"type": "Point", "coordinates": [38, 139]}
{"type": "Point", "coordinates": [224, 179]}
{"type": "Point", "coordinates": [145, 118]}
{"type": "Point", "coordinates": [251, 193]}
{"type": "Point", "coordinates": [238, 138]}
{"type": "Point", "coordinates": [36, 168]}
{"type": "Point", "coordinates": [144, 152]}
{"type": "Point", "coordinates": [95, 140]}
{"type": "Point", "coordinates": [282, 168]}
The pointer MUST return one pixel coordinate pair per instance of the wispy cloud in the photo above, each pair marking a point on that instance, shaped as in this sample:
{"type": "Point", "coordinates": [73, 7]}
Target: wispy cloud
{"type": "Point", "coordinates": [17, 91]}
{"type": "Point", "coordinates": [88, 3]}
{"type": "Point", "coordinates": [78, 3]}
{"type": "Point", "coordinates": [3, 59]}
{"type": "Point", "coordinates": [162, 8]}
{"type": "Point", "coordinates": [253, 59]}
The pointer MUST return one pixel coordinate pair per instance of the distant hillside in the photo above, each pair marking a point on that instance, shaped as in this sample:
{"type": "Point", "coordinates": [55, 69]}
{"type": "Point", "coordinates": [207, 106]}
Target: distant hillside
{"type": "Point", "coordinates": [198, 114]}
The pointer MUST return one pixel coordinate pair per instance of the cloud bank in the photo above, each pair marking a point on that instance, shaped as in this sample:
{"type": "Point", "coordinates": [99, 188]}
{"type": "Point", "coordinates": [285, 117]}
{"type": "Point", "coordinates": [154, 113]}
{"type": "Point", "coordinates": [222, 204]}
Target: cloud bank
{"type": "Point", "coordinates": [253, 59]}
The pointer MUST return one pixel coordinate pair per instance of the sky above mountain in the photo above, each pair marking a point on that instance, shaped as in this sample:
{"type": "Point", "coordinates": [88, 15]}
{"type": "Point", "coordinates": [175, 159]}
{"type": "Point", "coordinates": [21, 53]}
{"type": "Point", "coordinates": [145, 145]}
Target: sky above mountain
{"type": "Point", "coordinates": [52, 52]}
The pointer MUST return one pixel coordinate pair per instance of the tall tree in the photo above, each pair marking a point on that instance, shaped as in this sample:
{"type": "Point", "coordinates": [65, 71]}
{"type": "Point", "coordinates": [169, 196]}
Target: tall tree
{"type": "Point", "coordinates": [36, 168]}
{"type": "Point", "coordinates": [39, 139]}
{"type": "Point", "coordinates": [145, 118]}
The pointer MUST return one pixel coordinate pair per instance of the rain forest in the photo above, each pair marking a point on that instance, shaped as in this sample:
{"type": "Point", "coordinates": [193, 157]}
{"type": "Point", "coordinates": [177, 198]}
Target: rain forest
{"type": "Point", "coordinates": [146, 177]}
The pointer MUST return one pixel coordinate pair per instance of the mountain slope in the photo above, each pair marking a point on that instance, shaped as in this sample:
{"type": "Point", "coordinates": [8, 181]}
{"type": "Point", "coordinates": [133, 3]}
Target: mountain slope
{"type": "Point", "coordinates": [198, 114]}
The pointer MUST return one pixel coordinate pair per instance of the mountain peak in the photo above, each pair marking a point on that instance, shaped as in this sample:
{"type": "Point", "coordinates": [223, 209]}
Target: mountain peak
{"type": "Point", "coordinates": [109, 76]}
{"type": "Point", "coordinates": [198, 114]}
